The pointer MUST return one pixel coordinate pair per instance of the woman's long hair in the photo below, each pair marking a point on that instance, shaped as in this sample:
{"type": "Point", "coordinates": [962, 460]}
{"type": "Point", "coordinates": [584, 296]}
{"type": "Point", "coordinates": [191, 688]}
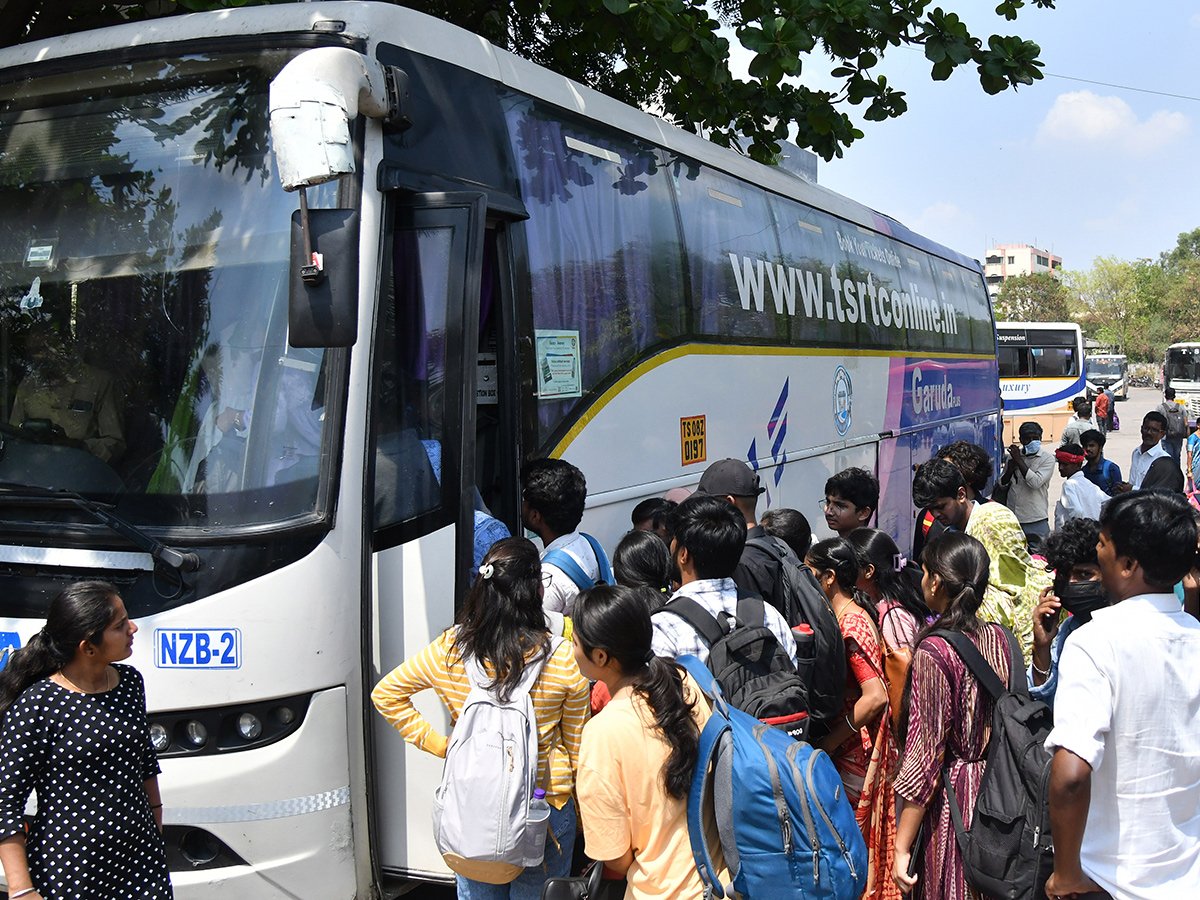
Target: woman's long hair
{"type": "Point", "coordinates": [502, 621]}
{"type": "Point", "coordinates": [80, 613]}
{"type": "Point", "coordinates": [877, 548]}
{"type": "Point", "coordinates": [962, 563]}
{"type": "Point", "coordinates": [838, 555]}
{"type": "Point", "coordinates": [617, 621]}
{"type": "Point", "coordinates": [643, 561]}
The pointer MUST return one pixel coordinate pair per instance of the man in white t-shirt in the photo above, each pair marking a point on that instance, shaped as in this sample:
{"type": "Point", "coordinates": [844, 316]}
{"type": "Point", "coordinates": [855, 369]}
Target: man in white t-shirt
{"type": "Point", "coordinates": [553, 494]}
{"type": "Point", "coordinates": [1125, 781]}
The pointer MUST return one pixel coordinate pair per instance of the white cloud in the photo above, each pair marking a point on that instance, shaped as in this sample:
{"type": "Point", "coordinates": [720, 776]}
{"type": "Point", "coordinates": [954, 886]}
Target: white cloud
{"type": "Point", "coordinates": [1194, 21]}
{"type": "Point", "coordinates": [1082, 119]}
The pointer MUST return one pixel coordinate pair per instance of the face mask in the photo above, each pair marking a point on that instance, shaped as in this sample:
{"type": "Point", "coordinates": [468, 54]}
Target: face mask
{"type": "Point", "coordinates": [1082, 598]}
{"type": "Point", "coordinates": [1032, 447]}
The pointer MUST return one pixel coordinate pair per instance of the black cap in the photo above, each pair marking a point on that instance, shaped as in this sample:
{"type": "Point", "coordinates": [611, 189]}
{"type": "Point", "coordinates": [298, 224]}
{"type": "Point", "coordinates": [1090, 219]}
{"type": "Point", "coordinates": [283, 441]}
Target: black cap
{"type": "Point", "coordinates": [732, 477]}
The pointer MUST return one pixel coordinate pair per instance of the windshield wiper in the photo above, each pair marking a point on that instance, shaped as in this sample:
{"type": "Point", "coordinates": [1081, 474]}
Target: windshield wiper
{"type": "Point", "coordinates": [177, 559]}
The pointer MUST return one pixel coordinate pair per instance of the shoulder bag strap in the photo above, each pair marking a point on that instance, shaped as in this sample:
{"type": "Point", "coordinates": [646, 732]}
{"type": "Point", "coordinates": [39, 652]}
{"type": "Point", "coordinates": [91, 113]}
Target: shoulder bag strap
{"type": "Point", "coordinates": [563, 561]}
{"type": "Point", "coordinates": [1018, 683]}
{"type": "Point", "coordinates": [960, 832]}
{"type": "Point", "coordinates": [606, 574]}
{"type": "Point", "coordinates": [697, 616]}
{"type": "Point", "coordinates": [710, 739]}
{"type": "Point", "coordinates": [975, 662]}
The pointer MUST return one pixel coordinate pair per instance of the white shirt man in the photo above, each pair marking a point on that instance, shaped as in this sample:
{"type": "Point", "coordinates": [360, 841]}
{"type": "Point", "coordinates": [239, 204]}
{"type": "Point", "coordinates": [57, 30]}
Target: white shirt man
{"type": "Point", "coordinates": [1125, 781]}
{"type": "Point", "coordinates": [1139, 465]}
{"type": "Point", "coordinates": [1148, 451]}
{"type": "Point", "coordinates": [1128, 705]}
{"type": "Point", "coordinates": [1080, 497]}
{"type": "Point", "coordinates": [561, 591]}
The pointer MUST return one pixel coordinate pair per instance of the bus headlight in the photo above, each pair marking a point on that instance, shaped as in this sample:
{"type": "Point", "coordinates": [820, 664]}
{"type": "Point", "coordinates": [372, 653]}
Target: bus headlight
{"type": "Point", "coordinates": [160, 738]}
{"type": "Point", "coordinates": [249, 726]}
{"type": "Point", "coordinates": [226, 729]}
{"type": "Point", "coordinates": [196, 733]}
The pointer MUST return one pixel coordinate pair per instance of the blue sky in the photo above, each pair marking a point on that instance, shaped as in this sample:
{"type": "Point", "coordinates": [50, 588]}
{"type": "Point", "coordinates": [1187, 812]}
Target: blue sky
{"type": "Point", "coordinates": [1079, 169]}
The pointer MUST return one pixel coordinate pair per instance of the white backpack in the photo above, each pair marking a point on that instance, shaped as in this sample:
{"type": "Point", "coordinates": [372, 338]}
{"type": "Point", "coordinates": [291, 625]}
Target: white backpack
{"type": "Point", "coordinates": [481, 810]}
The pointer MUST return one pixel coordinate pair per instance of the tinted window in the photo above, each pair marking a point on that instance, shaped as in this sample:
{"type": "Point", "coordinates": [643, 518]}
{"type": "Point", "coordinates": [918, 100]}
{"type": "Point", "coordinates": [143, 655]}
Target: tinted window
{"type": "Point", "coordinates": [604, 258]}
{"type": "Point", "coordinates": [733, 255]}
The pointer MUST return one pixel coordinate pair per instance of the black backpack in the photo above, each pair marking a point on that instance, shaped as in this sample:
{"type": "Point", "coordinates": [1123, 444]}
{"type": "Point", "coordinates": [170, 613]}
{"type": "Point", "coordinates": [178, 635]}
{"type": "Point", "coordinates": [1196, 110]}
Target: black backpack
{"type": "Point", "coordinates": [755, 673]}
{"type": "Point", "coordinates": [820, 650]}
{"type": "Point", "coordinates": [1007, 853]}
{"type": "Point", "coordinates": [1177, 423]}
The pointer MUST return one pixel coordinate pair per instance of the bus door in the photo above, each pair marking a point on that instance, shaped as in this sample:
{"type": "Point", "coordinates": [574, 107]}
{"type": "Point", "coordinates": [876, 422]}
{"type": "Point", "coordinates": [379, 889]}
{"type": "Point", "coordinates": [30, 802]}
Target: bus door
{"type": "Point", "coordinates": [422, 483]}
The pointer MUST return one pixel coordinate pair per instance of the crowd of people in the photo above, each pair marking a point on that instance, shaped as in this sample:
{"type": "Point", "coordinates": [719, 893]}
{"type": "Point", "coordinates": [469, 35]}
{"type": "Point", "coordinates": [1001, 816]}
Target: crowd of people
{"type": "Point", "coordinates": [1096, 614]}
{"type": "Point", "coordinates": [912, 718]}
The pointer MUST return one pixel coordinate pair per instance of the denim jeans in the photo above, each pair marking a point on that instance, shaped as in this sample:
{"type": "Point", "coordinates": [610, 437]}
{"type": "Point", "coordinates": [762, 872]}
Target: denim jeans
{"type": "Point", "coordinates": [528, 885]}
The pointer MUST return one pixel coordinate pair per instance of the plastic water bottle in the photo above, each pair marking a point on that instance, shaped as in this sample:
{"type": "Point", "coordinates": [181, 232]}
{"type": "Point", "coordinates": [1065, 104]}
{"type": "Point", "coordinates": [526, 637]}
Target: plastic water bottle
{"type": "Point", "coordinates": [536, 824]}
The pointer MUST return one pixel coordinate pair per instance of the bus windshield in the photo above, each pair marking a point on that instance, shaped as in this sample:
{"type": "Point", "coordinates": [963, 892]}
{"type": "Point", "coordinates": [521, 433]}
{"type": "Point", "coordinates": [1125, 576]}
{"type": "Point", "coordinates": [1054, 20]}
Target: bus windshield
{"type": "Point", "coordinates": [143, 297]}
{"type": "Point", "coordinates": [1106, 367]}
{"type": "Point", "coordinates": [1183, 364]}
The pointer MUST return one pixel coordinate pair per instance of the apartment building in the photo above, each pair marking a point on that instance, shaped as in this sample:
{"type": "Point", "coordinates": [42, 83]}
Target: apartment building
{"type": "Point", "coordinates": [1004, 261]}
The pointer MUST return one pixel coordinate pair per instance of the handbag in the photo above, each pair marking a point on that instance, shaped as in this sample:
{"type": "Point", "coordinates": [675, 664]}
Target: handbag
{"type": "Point", "coordinates": [896, 663]}
{"type": "Point", "coordinates": [578, 887]}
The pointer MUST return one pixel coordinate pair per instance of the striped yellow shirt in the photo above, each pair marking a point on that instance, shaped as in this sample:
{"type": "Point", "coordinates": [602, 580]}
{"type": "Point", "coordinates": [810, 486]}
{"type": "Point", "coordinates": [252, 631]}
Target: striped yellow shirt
{"type": "Point", "coordinates": [560, 701]}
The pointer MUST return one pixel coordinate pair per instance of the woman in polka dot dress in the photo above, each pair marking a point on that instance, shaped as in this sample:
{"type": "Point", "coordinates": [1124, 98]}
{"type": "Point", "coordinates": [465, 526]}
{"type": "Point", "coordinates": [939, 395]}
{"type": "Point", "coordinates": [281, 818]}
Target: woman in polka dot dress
{"type": "Point", "coordinates": [75, 730]}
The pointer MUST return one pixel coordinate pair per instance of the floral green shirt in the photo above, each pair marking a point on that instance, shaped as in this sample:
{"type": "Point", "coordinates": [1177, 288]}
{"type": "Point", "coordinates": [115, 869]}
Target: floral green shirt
{"type": "Point", "coordinates": [1015, 580]}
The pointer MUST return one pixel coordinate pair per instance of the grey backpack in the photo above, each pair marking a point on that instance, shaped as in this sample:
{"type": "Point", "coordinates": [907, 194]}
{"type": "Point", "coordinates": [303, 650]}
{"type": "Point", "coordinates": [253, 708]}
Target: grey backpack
{"type": "Point", "coordinates": [482, 820]}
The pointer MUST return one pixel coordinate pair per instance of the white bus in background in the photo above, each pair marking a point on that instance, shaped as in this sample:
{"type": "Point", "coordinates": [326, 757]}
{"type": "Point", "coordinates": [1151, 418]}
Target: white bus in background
{"type": "Point", "coordinates": [510, 266]}
{"type": "Point", "coordinates": [1041, 372]}
{"type": "Point", "coordinates": [1181, 370]}
{"type": "Point", "coordinates": [1108, 370]}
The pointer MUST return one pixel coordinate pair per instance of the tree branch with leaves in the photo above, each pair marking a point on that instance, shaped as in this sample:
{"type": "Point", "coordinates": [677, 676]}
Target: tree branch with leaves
{"type": "Point", "coordinates": [668, 56]}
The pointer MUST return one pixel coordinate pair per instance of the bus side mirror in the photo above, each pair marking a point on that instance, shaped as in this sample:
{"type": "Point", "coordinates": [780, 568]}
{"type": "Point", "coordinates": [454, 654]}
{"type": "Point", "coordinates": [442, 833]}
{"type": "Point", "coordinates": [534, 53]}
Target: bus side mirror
{"type": "Point", "coordinates": [323, 312]}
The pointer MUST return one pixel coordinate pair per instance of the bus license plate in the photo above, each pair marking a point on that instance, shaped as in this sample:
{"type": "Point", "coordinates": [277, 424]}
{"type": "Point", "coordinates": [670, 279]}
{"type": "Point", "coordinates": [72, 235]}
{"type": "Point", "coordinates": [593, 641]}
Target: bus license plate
{"type": "Point", "coordinates": [197, 648]}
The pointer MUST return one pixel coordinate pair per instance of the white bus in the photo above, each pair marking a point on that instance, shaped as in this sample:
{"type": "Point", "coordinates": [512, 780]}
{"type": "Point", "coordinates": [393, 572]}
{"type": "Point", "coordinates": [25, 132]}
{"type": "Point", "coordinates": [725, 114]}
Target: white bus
{"type": "Point", "coordinates": [282, 477]}
{"type": "Point", "coordinates": [1181, 371]}
{"type": "Point", "coordinates": [1041, 372]}
{"type": "Point", "coordinates": [1108, 370]}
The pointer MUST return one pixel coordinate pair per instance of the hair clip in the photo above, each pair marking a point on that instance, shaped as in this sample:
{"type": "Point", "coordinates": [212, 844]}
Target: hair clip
{"type": "Point", "coordinates": [899, 562]}
{"type": "Point", "coordinates": [486, 571]}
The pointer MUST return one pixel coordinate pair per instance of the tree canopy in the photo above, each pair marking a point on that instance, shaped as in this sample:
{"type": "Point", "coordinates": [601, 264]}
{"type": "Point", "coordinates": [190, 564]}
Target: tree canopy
{"type": "Point", "coordinates": [668, 55]}
{"type": "Point", "coordinates": [1038, 297]}
{"type": "Point", "coordinates": [1138, 307]}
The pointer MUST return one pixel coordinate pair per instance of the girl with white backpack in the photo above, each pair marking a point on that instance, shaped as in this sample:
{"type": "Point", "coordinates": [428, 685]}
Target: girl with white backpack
{"type": "Point", "coordinates": [497, 667]}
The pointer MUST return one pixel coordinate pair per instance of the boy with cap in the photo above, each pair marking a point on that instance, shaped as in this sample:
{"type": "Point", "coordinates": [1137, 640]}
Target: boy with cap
{"type": "Point", "coordinates": [757, 572]}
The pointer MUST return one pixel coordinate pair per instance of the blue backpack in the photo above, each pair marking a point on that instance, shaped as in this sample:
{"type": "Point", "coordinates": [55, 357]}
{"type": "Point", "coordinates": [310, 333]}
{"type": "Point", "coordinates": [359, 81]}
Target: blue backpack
{"type": "Point", "coordinates": [785, 825]}
{"type": "Point", "coordinates": [563, 561]}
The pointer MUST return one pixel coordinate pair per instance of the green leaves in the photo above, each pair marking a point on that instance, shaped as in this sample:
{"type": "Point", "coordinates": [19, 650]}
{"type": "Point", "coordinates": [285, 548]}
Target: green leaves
{"type": "Point", "coordinates": [1008, 61]}
{"type": "Point", "coordinates": [667, 55]}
